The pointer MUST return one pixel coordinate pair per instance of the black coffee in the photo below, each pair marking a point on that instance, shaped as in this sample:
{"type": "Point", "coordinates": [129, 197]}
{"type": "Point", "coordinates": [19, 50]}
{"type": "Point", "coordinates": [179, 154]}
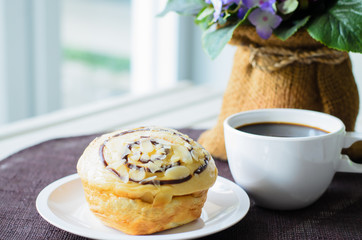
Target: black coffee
{"type": "Point", "coordinates": [281, 129]}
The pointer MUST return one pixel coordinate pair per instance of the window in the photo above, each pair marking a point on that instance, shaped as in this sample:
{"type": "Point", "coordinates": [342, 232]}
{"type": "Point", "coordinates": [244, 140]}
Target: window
{"type": "Point", "coordinates": [96, 49]}
{"type": "Point", "coordinates": [61, 54]}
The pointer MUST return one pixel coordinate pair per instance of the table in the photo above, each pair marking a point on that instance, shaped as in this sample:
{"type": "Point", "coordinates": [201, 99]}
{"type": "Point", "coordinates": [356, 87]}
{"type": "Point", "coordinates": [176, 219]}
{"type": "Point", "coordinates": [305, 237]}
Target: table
{"type": "Point", "coordinates": [336, 215]}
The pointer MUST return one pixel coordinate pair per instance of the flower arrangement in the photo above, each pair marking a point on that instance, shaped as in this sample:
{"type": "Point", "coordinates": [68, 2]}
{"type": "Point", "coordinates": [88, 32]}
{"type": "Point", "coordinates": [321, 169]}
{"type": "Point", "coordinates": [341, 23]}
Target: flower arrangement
{"type": "Point", "coordinates": [335, 23]}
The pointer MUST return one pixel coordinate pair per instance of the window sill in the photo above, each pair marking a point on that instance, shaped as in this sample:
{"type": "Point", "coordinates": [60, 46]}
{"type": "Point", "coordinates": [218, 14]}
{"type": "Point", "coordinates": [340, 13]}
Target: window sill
{"type": "Point", "coordinates": [184, 106]}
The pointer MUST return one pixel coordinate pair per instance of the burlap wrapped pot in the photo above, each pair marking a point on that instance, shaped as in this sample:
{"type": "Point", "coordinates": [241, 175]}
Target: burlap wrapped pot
{"type": "Point", "coordinates": [297, 73]}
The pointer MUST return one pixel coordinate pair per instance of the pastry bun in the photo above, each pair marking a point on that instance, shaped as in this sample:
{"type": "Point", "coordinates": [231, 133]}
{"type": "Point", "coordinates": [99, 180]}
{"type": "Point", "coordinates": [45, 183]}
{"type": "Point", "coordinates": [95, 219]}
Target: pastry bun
{"type": "Point", "coordinates": [147, 179]}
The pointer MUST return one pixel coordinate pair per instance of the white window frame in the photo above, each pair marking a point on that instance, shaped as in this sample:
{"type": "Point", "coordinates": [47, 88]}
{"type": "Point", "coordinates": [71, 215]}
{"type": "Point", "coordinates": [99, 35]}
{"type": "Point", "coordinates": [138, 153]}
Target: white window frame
{"type": "Point", "coordinates": [30, 56]}
{"type": "Point", "coordinates": [154, 47]}
{"type": "Point", "coordinates": [14, 61]}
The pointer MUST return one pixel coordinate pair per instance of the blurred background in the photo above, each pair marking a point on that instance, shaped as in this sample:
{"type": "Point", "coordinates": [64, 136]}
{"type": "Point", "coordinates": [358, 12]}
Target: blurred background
{"type": "Point", "coordinates": [63, 54]}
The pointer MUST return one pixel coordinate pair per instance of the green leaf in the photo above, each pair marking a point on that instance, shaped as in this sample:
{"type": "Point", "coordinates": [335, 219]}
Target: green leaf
{"type": "Point", "coordinates": [214, 41]}
{"type": "Point", "coordinates": [340, 27]}
{"type": "Point", "coordinates": [206, 12]}
{"type": "Point", "coordinates": [284, 32]}
{"type": "Point", "coordinates": [205, 23]}
{"type": "Point", "coordinates": [287, 6]}
{"type": "Point", "coordinates": [205, 17]}
{"type": "Point", "coordinates": [183, 7]}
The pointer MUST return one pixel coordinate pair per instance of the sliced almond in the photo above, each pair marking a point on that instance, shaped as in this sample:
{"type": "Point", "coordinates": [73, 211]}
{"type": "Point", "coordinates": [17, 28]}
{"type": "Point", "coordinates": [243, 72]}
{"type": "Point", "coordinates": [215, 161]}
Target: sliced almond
{"type": "Point", "coordinates": [157, 157]}
{"type": "Point", "coordinates": [145, 158]}
{"type": "Point", "coordinates": [175, 158]}
{"type": "Point", "coordinates": [126, 150]}
{"type": "Point", "coordinates": [188, 146]}
{"type": "Point", "coordinates": [117, 164]}
{"type": "Point", "coordinates": [177, 172]}
{"type": "Point", "coordinates": [123, 173]}
{"type": "Point", "coordinates": [158, 163]}
{"type": "Point", "coordinates": [137, 174]}
{"type": "Point", "coordinates": [135, 156]}
{"type": "Point", "coordinates": [185, 155]}
{"type": "Point", "coordinates": [149, 179]}
{"type": "Point", "coordinates": [153, 167]}
{"type": "Point", "coordinates": [146, 146]}
{"type": "Point", "coordinates": [195, 154]}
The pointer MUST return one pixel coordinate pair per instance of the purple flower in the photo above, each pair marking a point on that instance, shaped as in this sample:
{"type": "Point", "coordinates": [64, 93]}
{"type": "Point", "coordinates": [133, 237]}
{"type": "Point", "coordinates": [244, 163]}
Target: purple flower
{"type": "Point", "coordinates": [218, 6]}
{"type": "Point", "coordinates": [266, 5]}
{"type": "Point", "coordinates": [241, 12]}
{"type": "Point", "coordinates": [264, 21]}
{"type": "Point", "coordinates": [229, 2]}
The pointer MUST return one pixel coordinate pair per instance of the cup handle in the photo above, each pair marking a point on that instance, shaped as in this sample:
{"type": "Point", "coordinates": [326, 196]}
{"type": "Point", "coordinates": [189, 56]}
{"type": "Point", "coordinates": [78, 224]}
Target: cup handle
{"type": "Point", "coordinates": [345, 163]}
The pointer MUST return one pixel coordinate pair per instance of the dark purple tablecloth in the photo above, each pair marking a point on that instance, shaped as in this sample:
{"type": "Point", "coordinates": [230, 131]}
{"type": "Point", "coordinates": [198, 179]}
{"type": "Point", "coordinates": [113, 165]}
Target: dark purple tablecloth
{"type": "Point", "coordinates": [337, 215]}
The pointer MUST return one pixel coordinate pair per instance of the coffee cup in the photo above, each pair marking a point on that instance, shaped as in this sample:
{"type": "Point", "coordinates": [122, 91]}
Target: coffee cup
{"type": "Point", "coordinates": [286, 158]}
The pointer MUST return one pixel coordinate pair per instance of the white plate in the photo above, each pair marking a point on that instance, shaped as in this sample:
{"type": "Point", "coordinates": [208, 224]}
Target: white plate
{"type": "Point", "coordinates": [62, 203]}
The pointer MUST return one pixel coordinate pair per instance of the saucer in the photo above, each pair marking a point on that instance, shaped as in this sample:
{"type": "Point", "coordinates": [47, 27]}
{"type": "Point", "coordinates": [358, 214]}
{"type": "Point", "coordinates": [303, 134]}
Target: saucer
{"type": "Point", "coordinates": [62, 204]}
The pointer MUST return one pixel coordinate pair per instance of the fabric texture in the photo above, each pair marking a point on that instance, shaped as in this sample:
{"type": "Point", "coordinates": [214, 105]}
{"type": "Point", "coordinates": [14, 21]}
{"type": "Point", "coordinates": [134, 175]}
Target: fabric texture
{"type": "Point", "coordinates": [336, 215]}
{"type": "Point", "coordinates": [317, 82]}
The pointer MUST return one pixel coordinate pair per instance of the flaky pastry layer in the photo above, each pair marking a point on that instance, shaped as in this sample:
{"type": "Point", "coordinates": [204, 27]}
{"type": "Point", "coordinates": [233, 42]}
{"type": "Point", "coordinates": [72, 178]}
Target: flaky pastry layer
{"type": "Point", "coordinates": [137, 217]}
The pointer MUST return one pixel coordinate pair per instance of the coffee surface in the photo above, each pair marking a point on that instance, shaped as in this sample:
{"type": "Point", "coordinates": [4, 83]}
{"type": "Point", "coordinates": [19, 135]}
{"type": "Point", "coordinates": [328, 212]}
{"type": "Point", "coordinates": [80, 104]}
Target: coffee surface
{"type": "Point", "coordinates": [281, 129]}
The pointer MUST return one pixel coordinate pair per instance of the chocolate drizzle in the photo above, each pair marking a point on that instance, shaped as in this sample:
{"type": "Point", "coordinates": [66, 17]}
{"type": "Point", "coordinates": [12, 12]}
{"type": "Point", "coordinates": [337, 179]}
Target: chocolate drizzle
{"type": "Point", "coordinates": [145, 160]}
{"type": "Point", "coordinates": [163, 168]}
{"type": "Point", "coordinates": [202, 167]}
{"type": "Point", "coordinates": [101, 153]}
{"type": "Point", "coordinates": [164, 182]}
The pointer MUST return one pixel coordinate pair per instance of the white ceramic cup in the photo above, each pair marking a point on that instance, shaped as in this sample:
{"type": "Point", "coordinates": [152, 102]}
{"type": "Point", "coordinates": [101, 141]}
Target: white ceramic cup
{"type": "Point", "coordinates": [287, 172]}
